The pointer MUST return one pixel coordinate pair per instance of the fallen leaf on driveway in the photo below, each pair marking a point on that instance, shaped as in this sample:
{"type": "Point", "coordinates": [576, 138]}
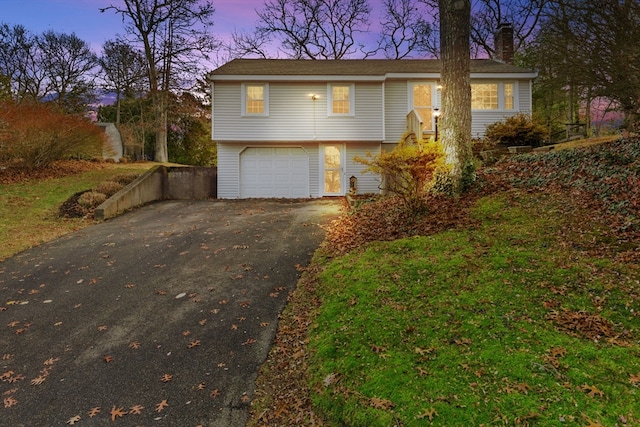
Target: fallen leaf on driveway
{"type": "Point", "coordinates": [71, 421]}
{"type": "Point", "coordinates": [160, 406]}
{"type": "Point", "coordinates": [136, 409]}
{"type": "Point", "coordinates": [117, 412]}
{"type": "Point", "coordinates": [9, 402]}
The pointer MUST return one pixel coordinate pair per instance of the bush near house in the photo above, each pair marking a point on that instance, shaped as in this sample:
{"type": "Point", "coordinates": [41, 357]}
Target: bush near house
{"type": "Point", "coordinates": [35, 135]}
{"type": "Point", "coordinates": [518, 130]}
{"type": "Point", "coordinates": [409, 170]}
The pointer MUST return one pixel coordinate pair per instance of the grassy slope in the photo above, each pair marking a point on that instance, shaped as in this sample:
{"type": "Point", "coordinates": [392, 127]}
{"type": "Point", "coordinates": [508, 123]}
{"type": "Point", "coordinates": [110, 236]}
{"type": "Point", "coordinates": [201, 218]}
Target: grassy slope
{"type": "Point", "coordinates": [524, 313]}
{"type": "Point", "coordinates": [29, 208]}
{"type": "Point", "coordinates": [503, 324]}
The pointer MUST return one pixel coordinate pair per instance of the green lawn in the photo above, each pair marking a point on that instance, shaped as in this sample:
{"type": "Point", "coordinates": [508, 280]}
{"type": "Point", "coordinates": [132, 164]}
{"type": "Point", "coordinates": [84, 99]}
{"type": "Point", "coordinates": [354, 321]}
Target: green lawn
{"type": "Point", "coordinates": [518, 321]}
{"type": "Point", "coordinates": [29, 210]}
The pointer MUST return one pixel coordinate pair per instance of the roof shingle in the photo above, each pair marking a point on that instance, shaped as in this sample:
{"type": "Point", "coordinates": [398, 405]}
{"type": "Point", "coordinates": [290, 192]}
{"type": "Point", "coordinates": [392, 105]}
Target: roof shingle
{"type": "Point", "coordinates": [352, 67]}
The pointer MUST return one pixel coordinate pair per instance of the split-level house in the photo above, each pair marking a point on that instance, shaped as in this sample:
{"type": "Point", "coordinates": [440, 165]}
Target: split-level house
{"type": "Point", "coordinates": [291, 128]}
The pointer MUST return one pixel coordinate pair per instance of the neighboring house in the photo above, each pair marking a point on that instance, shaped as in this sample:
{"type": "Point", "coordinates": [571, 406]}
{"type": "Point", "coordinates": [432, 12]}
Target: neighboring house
{"type": "Point", "coordinates": [291, 128]}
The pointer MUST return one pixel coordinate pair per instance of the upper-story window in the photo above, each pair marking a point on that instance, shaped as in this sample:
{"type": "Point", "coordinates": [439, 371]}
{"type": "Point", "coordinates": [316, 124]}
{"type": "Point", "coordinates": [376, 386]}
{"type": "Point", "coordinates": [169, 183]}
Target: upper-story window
{"type": "Point", "coordinates": [255, 99]}
{"type": "Point", "coordinates": [492, 96]}
{"type": "Point", "coordinates": [341, 99]}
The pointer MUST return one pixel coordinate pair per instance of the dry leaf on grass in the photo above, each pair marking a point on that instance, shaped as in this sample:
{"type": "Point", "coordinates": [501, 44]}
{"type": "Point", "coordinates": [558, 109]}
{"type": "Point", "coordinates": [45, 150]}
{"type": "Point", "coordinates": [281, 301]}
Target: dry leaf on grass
{"type": "Point", "coordinates": [378, 403]}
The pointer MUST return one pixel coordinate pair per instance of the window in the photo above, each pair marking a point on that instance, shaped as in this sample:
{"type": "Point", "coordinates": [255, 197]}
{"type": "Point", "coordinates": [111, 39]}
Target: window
{"type": "Point", "coordinates": [341, 102]}
{"type": "Point", "coordinates": [255, 99]}
{"type": "Point", "coordinates": [493, 96]}
{"type": "Point", "coordinates": [484, 96]}
{"type": "Point", "coordinates": [508, 96]}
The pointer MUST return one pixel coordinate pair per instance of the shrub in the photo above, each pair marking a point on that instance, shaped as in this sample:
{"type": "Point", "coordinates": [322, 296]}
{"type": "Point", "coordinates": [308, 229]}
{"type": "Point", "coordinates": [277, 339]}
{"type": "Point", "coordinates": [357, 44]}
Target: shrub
{"type": "Point", "coordinates": [409, 170]}
{"type": "Point", "coordinates": [91, 199]}
{"type": "Point", "coordinates": [520, 129]}
{"type": "Point", "coordinates": [109, 188]}
{"type": "Point", "coordinates": [35, 135]}
{"type": "Point", "coordinates": [125, 178]}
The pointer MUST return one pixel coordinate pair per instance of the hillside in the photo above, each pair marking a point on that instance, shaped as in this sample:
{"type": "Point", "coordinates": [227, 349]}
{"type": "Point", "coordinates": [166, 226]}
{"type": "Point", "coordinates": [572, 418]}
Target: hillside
{"type": "Point", "coordinates": [515, 305]}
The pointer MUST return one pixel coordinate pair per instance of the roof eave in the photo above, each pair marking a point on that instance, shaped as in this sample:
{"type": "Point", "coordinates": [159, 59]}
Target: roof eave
{"type": "Point", "coordinates": [358, 78]}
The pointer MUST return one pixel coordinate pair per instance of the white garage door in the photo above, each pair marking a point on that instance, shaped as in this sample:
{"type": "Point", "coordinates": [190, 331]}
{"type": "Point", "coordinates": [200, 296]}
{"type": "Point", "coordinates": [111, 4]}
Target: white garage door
{"type": "Point", "coordinates": [274, 172]}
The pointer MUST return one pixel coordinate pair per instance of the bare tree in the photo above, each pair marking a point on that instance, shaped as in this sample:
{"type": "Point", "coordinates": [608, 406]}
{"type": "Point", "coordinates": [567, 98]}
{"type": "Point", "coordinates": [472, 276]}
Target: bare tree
{"type": "Point", "coordinates": [245, 44]}
{"type": "Point", "coordinates": [21, 63]}
{"type": "Point", "coordinates": [405, 30]}
{"type": "Point", "coordinates": [124, 70]}
{"type": "Point", "coordinates": [69, 66]}
{"type": "Point", "coordinates": [524, 15]}
{"type": "Point", "coordinates": [314, 29]}
{"type": "Point", "coordinates": [455, 122]}
{"type": "Point", "coordinates": [174, 37]}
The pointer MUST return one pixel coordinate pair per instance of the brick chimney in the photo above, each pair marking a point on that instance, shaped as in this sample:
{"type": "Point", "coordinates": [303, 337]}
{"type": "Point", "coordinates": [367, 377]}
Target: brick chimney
{"type": "Point", "coordinates": [503, 43]}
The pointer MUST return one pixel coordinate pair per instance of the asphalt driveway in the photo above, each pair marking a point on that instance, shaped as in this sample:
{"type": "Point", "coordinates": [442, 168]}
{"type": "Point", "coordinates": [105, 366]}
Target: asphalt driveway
{"type": "Point", "coordinates": [160, 317]}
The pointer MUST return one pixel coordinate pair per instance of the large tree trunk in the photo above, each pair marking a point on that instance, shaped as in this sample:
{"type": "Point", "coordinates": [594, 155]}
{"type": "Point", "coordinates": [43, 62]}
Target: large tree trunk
{"type": "Point", "coordinates": [455, 121]}
{"type": "Point", "coordinates": [160, 127]}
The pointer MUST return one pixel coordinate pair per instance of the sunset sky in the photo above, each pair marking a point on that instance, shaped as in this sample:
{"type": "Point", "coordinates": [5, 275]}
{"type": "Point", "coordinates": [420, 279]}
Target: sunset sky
{"type": "Point", "coordinates": [83, 17]}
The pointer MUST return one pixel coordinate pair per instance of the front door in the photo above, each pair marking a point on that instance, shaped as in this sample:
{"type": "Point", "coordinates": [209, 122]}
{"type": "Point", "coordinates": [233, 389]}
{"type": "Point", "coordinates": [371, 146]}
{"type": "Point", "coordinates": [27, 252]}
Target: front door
{"type": "Point", "coordinates": [332, 164]}
{"type": "Point", "coordinates": [423, 97]}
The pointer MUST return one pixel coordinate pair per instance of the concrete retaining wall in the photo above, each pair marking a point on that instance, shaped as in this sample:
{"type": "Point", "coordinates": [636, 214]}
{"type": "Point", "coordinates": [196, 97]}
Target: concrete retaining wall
{"type": "Point", "coordinates": [161, 183]}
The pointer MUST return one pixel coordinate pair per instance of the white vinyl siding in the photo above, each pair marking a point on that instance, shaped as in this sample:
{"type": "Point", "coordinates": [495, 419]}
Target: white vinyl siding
{"type": "Point", "coordinates": [395, 109]}
{"type": "Point", "coordinates": [229, 171]}
{"type": "Point", "coordinates": [294, 116]}
{"type": "Point", "coordinates": [523, 100]}
{"type": "Point", "coordinates": [367, 182]}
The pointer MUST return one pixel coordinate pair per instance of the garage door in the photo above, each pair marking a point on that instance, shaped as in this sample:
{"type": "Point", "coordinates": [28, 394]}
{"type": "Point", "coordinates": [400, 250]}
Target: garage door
{"type": "Point", "coordinates": [274, 172]}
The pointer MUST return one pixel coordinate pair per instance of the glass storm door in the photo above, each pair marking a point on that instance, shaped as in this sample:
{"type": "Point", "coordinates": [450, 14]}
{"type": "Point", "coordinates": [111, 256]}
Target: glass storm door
{"type": "Point", "coordinates": [423, 102]}
{"type": "Point", "coordinates": [332, 169]}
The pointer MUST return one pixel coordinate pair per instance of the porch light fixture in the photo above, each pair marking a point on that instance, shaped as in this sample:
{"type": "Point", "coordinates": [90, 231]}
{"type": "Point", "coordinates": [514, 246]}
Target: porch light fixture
{"type": "Point", "coordinates": [314, 98]}
{"type": "Point", "coordinates": [436, 114]}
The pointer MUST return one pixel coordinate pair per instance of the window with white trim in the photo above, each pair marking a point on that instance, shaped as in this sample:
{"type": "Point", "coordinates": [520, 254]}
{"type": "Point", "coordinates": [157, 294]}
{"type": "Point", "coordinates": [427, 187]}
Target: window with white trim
{"type": "Point", "coordinates": [341, 99]}
{"type": "Point", "coordinates": [493, 96]}
{"type": "Point", "coordinates": [255, 99]}
{"type": "Point", "coordinates": [509, 103]}
{"type": "Point", "coordinates": [484, 96]}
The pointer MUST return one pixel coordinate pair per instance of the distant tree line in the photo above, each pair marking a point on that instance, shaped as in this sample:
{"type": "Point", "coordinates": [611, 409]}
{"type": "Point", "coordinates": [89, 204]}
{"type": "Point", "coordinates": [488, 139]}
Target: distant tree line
{"type": "Point", "coordinates": [583, 51]}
